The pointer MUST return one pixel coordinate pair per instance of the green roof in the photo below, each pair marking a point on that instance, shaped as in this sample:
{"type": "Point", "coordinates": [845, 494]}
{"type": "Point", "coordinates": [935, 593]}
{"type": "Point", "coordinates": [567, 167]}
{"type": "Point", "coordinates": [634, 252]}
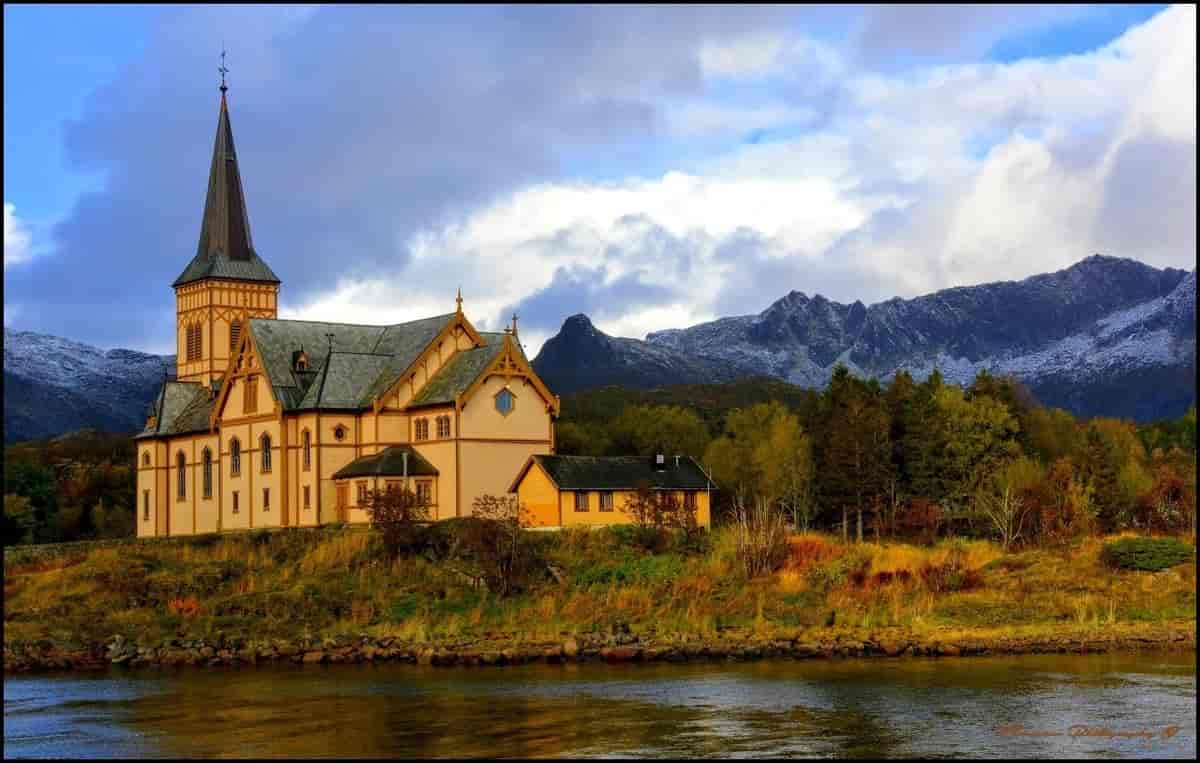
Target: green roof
{"type": "Point", "coordinates": [365, 361]}
{"type": "Point", "coordinates": [622, 472]}
{"type": "Point", "coordinates": [389, 462]}
{"type": "Point", "coordinates": [452, 379]}
{"type": "Point", "coordinates": [179, 408]}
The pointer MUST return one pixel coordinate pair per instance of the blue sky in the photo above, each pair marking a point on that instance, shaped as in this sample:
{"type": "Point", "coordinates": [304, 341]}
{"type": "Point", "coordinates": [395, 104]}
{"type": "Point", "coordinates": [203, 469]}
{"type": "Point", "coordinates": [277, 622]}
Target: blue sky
{"type": "Point", "coordinates": [653, 166]}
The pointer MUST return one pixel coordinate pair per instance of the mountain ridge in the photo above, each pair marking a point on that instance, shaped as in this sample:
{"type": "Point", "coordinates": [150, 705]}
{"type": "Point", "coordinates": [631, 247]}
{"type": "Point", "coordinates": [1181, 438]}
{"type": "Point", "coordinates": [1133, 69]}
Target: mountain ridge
{"type": "Point", "coordinates": [1083, 337]}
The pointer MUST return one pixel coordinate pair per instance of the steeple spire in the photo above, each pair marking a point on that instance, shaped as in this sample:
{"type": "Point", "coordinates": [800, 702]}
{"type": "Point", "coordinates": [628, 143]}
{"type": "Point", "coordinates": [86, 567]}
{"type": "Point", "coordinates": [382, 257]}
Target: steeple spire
{"type": "Point", "coordinates": [225, 249]}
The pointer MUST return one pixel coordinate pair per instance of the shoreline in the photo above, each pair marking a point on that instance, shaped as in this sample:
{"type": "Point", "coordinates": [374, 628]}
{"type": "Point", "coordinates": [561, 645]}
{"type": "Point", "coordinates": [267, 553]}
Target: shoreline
{"type": "Point", "coordinates": [48, 656]}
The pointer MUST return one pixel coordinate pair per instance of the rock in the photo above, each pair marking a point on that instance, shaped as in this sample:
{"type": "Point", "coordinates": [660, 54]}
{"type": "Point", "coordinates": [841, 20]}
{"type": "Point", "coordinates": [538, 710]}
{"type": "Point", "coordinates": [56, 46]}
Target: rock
{"type": "Point", "coordinates": [207, 652]}
{"type": "Point", "coordinates": [892, 648]}
{"type": "Point", "coordinates": [570, 648]}
{"type": "Point", "coordinates": [619, 653]}
{"type": "Point", "coordinates": [425, 657]}
{"type": "Point", "coordinates": [369, 652]}
{"type": "Point", "coordinates": [313, 657]}
{"type": "Point", "coordinates": [949, 650]}
{"type": "Point", "coordinates": [553, 654]}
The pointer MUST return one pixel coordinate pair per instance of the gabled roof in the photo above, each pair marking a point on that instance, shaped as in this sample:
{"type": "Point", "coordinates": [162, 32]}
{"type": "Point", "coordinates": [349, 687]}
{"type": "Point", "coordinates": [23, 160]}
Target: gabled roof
{"type": "Point", "coordinates": [389, 462]}
{"type": "Point", "coordinates": [225, 249]}
{"type": "Point", "coordinates": [618, 473]}
{"type": "Point", "coordinates": [453, 378]}
{"type": "Point", "coordinates": [179, 408]}
{"type": "Point", "coordinates": [364, 362]}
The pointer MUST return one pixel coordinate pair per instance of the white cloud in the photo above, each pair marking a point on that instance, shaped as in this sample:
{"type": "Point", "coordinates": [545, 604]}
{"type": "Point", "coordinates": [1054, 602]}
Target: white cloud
{"type": "Point", "coordinates": [950, 175]}
{"type": "Point", "coordinates": [17, 239]}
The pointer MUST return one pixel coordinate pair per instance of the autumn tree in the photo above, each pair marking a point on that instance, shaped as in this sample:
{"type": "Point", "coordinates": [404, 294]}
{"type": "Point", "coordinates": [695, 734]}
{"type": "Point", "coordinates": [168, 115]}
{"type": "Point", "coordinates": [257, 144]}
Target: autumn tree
{"type": "Point", "coordinates": [395, 512]}
{"type": "Point", "coordinates": [1004, 498]}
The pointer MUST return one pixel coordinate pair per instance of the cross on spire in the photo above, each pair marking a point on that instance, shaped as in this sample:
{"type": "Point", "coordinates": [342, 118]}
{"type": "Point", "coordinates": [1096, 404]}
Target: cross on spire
{"type": "Point", "coordinates": [223, 70]}
{"type": "Point", "coordinates": [458, 300]}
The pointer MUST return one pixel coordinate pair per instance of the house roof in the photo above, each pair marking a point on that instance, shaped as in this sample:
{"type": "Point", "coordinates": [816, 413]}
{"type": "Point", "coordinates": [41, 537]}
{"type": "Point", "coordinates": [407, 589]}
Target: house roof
{"type": "Point", "coordinates": [225, 249]}
{"type": "Point", "coordinates": [179, 408]}
{"type": "Point", "coordinates": [364, 362]}
{"type": "Point", "coordinates": [618, 473]}
{"type": "Point", "coordinates": [388, 463]}
{"type": "Point", "coordinates": [453, 378]}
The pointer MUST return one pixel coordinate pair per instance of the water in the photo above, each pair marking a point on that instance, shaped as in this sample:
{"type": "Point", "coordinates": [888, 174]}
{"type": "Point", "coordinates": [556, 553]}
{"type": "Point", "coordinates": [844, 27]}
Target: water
{"type": "Point", "coordinates": [886, 708]}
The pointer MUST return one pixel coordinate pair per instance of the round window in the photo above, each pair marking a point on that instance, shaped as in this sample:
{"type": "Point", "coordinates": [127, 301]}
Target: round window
{"type": "Point", "coordinates": [339, 432]}
{"type": "Point", "coordinates": [504, 401]}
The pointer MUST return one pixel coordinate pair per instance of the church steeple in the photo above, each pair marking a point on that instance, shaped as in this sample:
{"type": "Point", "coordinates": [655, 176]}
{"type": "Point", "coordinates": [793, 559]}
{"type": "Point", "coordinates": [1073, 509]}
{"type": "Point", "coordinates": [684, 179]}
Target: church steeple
{"type": "Point", "coordinates": [226, 284]}
{"type": "Point", "coordinates": [225, 249]}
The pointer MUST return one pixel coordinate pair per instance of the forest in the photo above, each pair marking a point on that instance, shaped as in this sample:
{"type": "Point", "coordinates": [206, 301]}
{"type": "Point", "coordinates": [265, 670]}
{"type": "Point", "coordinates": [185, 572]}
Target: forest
{"type": "Point", "coordinates": [858, 458]}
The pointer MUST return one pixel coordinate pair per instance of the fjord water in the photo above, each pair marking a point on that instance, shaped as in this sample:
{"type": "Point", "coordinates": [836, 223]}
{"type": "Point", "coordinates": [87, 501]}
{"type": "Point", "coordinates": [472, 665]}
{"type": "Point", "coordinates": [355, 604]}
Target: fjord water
{"type": "Point", "coordinates": [885, 708]}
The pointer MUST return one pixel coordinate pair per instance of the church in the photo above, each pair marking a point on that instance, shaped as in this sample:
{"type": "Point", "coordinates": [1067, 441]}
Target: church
{"type": "Point", "coordinates": [279, 423]}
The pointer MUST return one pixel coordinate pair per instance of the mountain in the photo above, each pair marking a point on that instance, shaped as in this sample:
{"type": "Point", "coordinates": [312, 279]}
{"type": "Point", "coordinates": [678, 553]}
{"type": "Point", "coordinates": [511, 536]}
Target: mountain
{"type": "Point", "coordinates": [54, 385]}
{"type": "Point", "coordinates": [1106, 336]}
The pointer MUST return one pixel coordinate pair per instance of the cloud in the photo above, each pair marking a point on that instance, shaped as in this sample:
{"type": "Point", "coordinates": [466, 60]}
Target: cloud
{"type": "Point", "coordinates": [17, 239]}
{"type": "Point", "coordinates": [384, 169]}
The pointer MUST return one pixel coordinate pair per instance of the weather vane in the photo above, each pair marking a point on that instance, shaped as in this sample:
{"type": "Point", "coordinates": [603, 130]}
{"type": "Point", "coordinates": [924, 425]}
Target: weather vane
{"type": "Point", "coordinates": [223, 69]}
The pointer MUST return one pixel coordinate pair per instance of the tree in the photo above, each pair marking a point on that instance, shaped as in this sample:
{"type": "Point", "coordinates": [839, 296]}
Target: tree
{"type": "Point", "coordinates": [493, 539]}
{"type": "Point", "coordinates": [1062, 504]}
{"type": "Point", "coordinates": [19, 521]}
{"type": "Point", "coordinates": [979, 438]}
{"type": "Point", "coordinates": [1003, 498]}
{"type": "Point", "coordinates": [857, 453]}
{"type": "Point", "coordinates": [395, 512]}
{"type": "Point", "coordinates": [760, 536]}
{"type": "Point", "coordinates": [784, 459]}
{"type": "Point", "coordinates": [648, 429]}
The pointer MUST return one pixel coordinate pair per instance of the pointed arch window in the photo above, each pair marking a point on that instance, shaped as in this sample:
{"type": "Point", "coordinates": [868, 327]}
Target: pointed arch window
{"type": "Point", "coordinates": [306, 441]}
{"type": "Point", "coordinates": [235, 333]}
{"type": "Point", "coordinates": [264, 444]}
{"type": "Point", "coordinates": [180, 476]}
{"type": "Point", "coordinates": [207, 474]}
{"type": "Point", "coordinates": [235, 457]}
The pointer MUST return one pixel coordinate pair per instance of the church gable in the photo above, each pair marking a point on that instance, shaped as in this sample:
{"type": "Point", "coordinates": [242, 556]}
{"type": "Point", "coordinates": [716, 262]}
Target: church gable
{"type": "Point", "coordinates": [508, 363]}
{"type": "Point", "coordinates": [246, 389]}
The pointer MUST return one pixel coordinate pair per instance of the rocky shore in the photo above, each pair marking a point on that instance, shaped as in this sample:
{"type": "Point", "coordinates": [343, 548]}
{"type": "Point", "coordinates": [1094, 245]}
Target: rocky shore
{"type": "Point", "coordinates": [619, 646]}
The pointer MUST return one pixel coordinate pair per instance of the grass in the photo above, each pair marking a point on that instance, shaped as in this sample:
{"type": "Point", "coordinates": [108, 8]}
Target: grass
{"type": "Point", "coordinates": [338, 582]}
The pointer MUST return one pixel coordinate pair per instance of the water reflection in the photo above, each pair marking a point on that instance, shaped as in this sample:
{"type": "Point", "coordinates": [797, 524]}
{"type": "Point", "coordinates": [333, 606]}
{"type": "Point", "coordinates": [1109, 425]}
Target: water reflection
{"type": "Point", "coordinates": [898, 708]}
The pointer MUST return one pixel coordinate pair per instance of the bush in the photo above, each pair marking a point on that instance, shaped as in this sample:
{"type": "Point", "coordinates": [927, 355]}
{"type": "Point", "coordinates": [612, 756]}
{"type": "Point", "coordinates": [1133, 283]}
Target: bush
{"type": "Point", "coordinates": [1148, 554]}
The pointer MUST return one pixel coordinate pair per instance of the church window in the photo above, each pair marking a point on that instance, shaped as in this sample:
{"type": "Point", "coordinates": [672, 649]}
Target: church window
{"type": "Point", "coordinates": [306, 439]}
{"type": "Point", "coordinates": [362, 493]}
{"type": "Point", "coordinates": [146, 505]}
{"type": "Point", "coordinates": [307, 503]}
{"type": "Point", "coordinates": [250, 399]}
{"type": "Point", "coordinates": [443, 427]}
{"type": "Point", "coordinates": [146, 458]}
{"type": "Point", "coordinates": [181, 476]}
{"type": "Point", "coordinates": [235, 458]}
{"type": "Point", "coordinates": [264, 443]}
{"type": "Point", "coordinates": [422, 429]}
{"type": "Point", "coordinates": [207, 473]}
{"type": "Point", "coordinates": [266, 499]}
{"type": "Point", "coordinates": [505, 400]}
{"type": "Point", "coordinates": [235, 333]}
{"type": "Point", "coordinates": [235, 502]}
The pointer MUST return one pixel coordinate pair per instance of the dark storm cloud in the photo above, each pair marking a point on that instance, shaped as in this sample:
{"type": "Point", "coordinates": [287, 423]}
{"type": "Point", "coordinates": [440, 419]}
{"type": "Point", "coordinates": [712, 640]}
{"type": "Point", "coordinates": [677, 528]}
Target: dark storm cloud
{"type": "Point", "coordinates": [584, 290]}
{"type": "Point", "coordinates": [354, 126]}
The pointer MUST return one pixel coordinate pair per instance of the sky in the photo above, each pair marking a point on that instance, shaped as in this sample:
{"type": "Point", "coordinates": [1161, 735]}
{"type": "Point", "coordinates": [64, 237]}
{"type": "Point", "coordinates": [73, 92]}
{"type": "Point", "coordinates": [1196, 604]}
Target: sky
{"type": "Point", "coordinates": [653, 167]}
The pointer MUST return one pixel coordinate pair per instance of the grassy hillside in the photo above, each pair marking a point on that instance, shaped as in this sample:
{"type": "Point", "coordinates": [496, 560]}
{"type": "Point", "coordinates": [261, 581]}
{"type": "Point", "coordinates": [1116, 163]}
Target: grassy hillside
{"type": "Point", "coordinates": [325, 583]}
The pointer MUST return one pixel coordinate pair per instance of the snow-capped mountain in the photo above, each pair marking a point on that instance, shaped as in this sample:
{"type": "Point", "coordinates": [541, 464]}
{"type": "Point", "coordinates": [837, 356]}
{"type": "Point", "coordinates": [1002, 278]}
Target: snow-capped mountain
{"type": "Point", "coordinates": [1106, 336]}
{"type": "Point", "coordinates": [53, 385]}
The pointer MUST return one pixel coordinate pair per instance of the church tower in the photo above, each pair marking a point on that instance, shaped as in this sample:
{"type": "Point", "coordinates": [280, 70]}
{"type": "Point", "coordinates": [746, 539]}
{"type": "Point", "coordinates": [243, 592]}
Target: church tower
{"type": "Point", "coordinates": [226, 283]}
